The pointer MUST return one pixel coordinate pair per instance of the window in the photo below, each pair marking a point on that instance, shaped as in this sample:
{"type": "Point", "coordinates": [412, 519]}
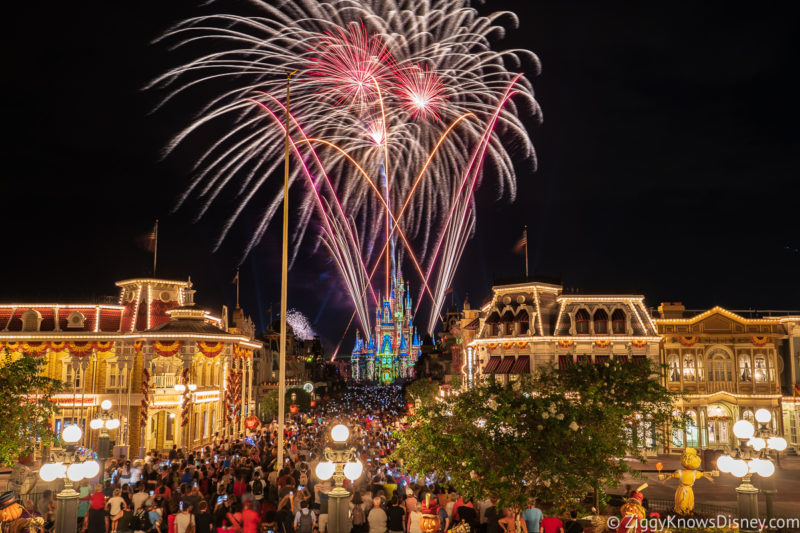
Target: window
{"type": "Point", "coordinates": [72, 375]}
{"type": "Point", "coordinates": [747, 414]}
{"type": "Point", "coordinates": [674, 369]}
{"type": "Point", "coordinates": [621, 358]}
{"type": "Point", "coordinates": [116, 376]}
{"type": "Point", "coordinates": [719, 368]}
{"type": "Point", "coordinates": [564, 361]}
{"type": "Point", "coordinates": [618, 322]}
{"type": "Point", "coordinates": [688, 367]}
{"type": "Point", "coordinates": [760, 369]}
{"type": "Point", "coordinates": [677, 432]}
{"type": "Point", "coordinates": [601, 359]}
{"type": "Point", "coordinates": [691, 429]}
{"type": "Point", "coordinates": [745, 371]}
{"type": "Point", "coordinates": [508, 323]}
{"type": "Point", "coordinates": [600, 322]}
{"type": "Point", "coordinates": [205, 424]}
{"type": "Point", "coordinates": [524, 322]}
{"type": "Point", "coordinates": [582, 322]}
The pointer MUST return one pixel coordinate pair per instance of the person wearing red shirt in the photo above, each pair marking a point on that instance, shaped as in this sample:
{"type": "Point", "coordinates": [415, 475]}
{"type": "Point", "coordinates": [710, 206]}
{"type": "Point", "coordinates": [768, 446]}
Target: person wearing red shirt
{"type": "Point", "coordinates": [250, 518]}
{"type": "Point", "coordinates": [239, 487]}
{"type": "Point", "coordinates": [551, 524]}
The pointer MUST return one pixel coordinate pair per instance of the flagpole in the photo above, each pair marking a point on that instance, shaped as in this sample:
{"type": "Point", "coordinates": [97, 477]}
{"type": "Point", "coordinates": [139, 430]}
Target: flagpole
{"type": "Point", "coordinates": [525, 236]}
{"type": "Point", "coordinates": [237, 288]}
{"type": "Point", "coordinates": [284, 278]}
{"type": "Point", "coordinates": [155, 248]}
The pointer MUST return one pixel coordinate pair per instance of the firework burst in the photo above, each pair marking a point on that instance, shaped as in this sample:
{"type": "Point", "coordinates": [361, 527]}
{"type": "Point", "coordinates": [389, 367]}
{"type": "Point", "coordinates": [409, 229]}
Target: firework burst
{"type": "Point", "coordinates": [397, 109]}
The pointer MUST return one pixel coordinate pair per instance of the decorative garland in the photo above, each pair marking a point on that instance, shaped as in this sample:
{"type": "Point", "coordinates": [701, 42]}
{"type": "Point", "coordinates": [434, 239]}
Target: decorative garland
{"type": "Point", "coordinates": [80, 348]}
{"type": "Point", "coordinates": [492, 345]}
{"type": "Point", "coordinates": [688, 341]}
{"type": "Point", "coordinates": [104, 346]}
{"type": "Point", "coordinates": [145, 388]}
{"type": "Point", "coordinates": [522, 344]}
{"type": "Point", "coordinates": [240, 353]}
{"type": "Point", "coordinates": [34, 348]}
{"type": "Point", "coordinates": [759, 340]}
{"type": "Point", "coordinates": [168, 348]}
{"type": "Point", "coordinates": [566, 344]}
{"type": "Point", "coordinates": [11, 346]}
{"type": "Point", "coordinates": [58, 347]}
{"type": "Point", "coordinates": [186, 404]}
{"type": "Point", "coordinates": [602, 344]}
{"type": "Point", "coordinates": [137, 346]}
{"type": "Point", "coordinates": [210, 349]}
{"type": "Point", "coordinates": [639, 344]}
{"type": "Point", "coordinates": [508, 345]}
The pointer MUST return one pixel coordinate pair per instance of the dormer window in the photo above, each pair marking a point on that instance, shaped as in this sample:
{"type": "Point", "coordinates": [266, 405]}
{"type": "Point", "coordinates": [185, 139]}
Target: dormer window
{"type": "Point", "coordinates": [75, 319]}
{"type": "Point", "coordinates": [582, 322]}
{"type": "Point", "coordinates": [31, 320]}
{"type": "Point", "coordinates": [524, 322]}
{"type": "Point", "coordinates": [618, 322]}
{"type": "Point", "coordinates": [601, 322]}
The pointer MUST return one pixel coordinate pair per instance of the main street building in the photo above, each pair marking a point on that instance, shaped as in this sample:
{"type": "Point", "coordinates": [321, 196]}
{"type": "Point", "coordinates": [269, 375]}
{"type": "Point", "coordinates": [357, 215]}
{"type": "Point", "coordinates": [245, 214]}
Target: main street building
{"type": "Point", "coordinates": [175, 374]}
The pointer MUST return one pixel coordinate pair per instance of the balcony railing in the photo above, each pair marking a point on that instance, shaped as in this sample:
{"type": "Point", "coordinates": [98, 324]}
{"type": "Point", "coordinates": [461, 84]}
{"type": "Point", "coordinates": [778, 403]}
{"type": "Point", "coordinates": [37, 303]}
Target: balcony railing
{"type": "Point", "coordinates": [165, 381]}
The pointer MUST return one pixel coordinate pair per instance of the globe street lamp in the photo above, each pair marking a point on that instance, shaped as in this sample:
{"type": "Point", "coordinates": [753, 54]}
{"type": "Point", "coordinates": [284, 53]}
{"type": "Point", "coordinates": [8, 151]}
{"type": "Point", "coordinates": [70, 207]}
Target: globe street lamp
{"type": "Point", "coordinates": [340, 463]}
{"type": "Point", "coordinates": [751, 457]}
{"type": "Point", "coordinates": [70, 464]}
{"type": "Point", "coordinates": [104, 422]}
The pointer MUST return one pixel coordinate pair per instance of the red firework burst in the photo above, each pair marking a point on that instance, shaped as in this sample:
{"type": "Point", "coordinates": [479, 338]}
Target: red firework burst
{"type": "Point", "coordinates": [421, 92]}
{"type": "Point", "coordinates": [351, 63]}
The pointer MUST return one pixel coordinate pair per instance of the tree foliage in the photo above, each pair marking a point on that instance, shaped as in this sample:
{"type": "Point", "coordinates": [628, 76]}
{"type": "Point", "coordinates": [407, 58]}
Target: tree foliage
{"type": "Point", "coordinates": [423, 389]}
{"type": "Point", "coordinates": [555, 436]}
{"type": "Point", "coordinates": [26, 397]}
{"type": "Point", "coordinates": [269, 402]}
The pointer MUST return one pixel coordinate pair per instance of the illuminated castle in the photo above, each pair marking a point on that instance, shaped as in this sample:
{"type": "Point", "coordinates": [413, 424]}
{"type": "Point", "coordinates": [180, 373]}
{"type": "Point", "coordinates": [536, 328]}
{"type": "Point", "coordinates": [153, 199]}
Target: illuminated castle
{"type": "Point", "coordinates": [391, 350]}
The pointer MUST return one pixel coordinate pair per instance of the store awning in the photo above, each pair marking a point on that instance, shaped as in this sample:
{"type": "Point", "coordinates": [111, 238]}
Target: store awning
{"type": "Point", "coordinates": [522, 365]}
{"type": "Point", "coordinates": [505, 365]}
{"type": "Point", "coordinates": [491, 366]}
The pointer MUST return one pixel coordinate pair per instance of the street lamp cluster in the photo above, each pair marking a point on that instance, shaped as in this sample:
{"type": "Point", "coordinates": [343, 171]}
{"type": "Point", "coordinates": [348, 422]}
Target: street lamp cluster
{"type": "Point", "coordinates": [340, 462]}
{"type": "Point", "coordinates": [71, 464]}
{"type": "Point", "coordinates": [104, 422]}
{"type": "Point", "coordinates": [751, 457]}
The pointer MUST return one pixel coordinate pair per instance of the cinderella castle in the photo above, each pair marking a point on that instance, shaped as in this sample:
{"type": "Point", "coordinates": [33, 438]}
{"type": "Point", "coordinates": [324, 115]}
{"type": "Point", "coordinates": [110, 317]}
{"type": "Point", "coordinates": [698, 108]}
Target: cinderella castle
{"type": "Point", "coordinates": [391, 350]}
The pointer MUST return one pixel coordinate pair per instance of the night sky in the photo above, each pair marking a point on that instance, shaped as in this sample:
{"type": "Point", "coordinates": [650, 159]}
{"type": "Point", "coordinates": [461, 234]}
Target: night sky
{"type": "Point", "coordinates": [668, 161]}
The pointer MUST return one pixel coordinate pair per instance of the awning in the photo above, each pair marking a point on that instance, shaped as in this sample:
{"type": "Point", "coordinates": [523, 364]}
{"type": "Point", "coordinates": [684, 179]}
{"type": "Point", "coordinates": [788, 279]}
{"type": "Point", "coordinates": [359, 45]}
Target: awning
{"type": "Point", "coordinates": [493, 318]}
{"type": "Point", "coordinates": [522, 365]}
{"type": "Point", "coordinates": [508, 316]}
{"type": "Point", "coordinates": [505, 365]}
{"type": "Point", "coordinates": [491, 366]}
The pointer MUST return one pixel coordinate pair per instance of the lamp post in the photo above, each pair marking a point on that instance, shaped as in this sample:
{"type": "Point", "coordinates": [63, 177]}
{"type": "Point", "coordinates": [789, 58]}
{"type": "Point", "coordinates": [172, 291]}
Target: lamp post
{"type": "Point", "coordinates": [751, 457]}
{"type": "Point", "coordinates": [340, 462]}
{"type": "Point", "coordinates": [71, 465]}
{"type": "Point", "coordinates": [104, 422]}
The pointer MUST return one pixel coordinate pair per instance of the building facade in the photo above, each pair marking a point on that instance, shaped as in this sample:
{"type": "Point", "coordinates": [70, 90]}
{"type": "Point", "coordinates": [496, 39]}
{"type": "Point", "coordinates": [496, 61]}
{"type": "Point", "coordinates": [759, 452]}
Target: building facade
{"type": "Point", "coordinates": [175, 374]}
{"type": "Point", "coordinates": [391, 350]}
{"type": "Point", "coordinates": [725, 367]}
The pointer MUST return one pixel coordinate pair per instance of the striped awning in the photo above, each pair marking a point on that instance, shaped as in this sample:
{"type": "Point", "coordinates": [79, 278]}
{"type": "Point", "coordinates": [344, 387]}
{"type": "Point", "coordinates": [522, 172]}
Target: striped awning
{"type": "Point", "coordinates": [491, 366]}
{"type": "Point", "coordinates": [522, 365]}
{"type": "Point", "coordinates": [505, 365]}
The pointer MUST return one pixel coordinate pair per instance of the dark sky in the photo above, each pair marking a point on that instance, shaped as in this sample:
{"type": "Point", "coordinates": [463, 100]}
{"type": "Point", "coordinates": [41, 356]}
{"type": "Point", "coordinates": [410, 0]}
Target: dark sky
{"type": "Point", "coordinates": [668, 161]}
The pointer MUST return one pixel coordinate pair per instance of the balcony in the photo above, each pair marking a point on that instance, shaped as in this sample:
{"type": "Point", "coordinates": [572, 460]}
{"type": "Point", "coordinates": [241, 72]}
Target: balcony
{"type": "Point", "coordinates": [166, 381]}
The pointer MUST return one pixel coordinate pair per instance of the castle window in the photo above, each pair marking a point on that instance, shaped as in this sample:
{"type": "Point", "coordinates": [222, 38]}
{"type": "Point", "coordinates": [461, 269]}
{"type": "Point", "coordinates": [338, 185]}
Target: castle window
{"type": "Point", "coordinates": [674, 369]}
{"type": "Point", "coordinates": [688, 367]}
{"type": "Point", "coordinates": [618, 322]}
{"type": "Point", "coordinates": [719, 368]}
{"type": "Point", "coordinates": [582, 322]}
{"type": "Point", "coordinates": [600, 322]}
{"type": "Point", "coordinates": [760, 369]}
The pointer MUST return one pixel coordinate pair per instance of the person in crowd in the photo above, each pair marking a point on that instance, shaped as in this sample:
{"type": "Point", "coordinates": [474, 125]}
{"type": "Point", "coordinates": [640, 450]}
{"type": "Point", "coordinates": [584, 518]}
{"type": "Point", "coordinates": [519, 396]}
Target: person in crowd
{"type": "Point", "coordinates": [552, 524]}
{"type": "Point", "coordinates": [184, 520]}
{"type": "Point", "coordinates": [508, 522]}
{"type": "Point", "coordinates": [572, 525]}
{"type": "Point", "coordinates": [376, 518]}
{"type": "Point", "coordinates": [396, 515]}
{"type": "Point", "coordinates": [97, 520]}
{"type": "Point", "coordinates": [304, 521]}
{"type": "Point", "coordinates": [250, 519]}
{"type": "Point", "coordinates": [124, 519]}
{"type": "Point", "coordinates": [532, 517]}
{"type": "Point", "coordinates": [414, 519]}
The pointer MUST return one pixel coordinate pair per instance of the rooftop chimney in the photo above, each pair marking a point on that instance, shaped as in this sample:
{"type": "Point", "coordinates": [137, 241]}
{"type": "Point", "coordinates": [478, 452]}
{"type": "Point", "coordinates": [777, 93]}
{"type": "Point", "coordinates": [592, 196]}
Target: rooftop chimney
{"type": "Point", "coordinates": [671, 309]}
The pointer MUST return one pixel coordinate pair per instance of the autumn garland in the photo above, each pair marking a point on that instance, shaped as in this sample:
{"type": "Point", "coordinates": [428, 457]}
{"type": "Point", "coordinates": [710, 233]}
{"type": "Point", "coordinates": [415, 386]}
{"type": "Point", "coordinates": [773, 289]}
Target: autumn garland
{"type": "Point", "coordinates": [186, 404]}
{"type": "Point", "coordinates": [688, 340]}
{"type": "Point", "coordinates": [210, 349]}
{"type": "Point", "coordinates": [759, 340]}
{"type": "Point", "coordinates": [167, 348]}
{"type": "Point", "coordinates": [145, 391]}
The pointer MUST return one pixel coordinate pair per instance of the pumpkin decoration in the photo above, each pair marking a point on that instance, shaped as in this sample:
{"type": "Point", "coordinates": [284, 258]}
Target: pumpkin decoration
{"type": "Point", "coordinates": [252, 422]}
{"type": "Point", "coordinates": [312, 403]}
{"type": "Point", "coordinates": [294, 408]}
{"type": "Point", "coordinates": [10, 509]}
{"type": "Point", "coordinates": [429, 523]}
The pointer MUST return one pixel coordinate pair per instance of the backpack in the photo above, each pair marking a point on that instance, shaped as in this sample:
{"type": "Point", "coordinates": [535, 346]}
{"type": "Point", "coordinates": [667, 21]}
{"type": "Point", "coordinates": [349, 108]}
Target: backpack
{"type": "Point", "coordinates": [258, 488]}
{"type": "Point", "coordinates": [306, 523]}
{"type": "Point", "coordinates": [358, 515]}
{"type": "Point", "coordinates": [140, 521]}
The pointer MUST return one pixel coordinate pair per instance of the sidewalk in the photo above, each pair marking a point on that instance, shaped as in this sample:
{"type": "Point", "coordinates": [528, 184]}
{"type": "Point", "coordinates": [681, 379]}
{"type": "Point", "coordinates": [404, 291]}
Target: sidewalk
{"type": "Point", "coordinates": [786, 482]}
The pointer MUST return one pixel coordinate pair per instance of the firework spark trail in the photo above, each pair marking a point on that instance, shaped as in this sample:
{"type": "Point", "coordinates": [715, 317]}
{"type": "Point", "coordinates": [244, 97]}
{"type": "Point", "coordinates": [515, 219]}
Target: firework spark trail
{"type": "Point", "coordinates": [429, 61]}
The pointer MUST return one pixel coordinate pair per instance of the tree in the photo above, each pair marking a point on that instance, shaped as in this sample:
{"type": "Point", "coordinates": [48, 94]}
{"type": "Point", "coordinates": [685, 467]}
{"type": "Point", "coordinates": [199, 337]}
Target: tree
{"type": "Point", "coordinates": [423, 389]}
{"type": "Point", "coordinates": [269, 402]}
{"type": "Point", "coordinates": [27, 399]}
{"type": "Point", "coordinates": [555, 436]}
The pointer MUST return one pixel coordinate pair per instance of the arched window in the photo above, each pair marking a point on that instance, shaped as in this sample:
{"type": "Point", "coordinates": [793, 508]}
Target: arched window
{"type": "Point", "coordinates": [688, 367]}
{"type": "Point", "coordinates": [508, 323]}
{"type": "Point", "coordinates": [747, 414]}
{"type": "Point", "coordinates": [691, 429]}
{"type": "Point", "coordinates": [677, 431]}
{"type": "Point", "coordinates": [582, 321]}
{"type": "Point", "coordinates": [719, 368]}
{"type": "Point", "coordinates": [601, 322]}
{"type": "Point", "coordinates": [745, 370]}
{"type": "Point", "coordinates": [674, 369]}
{"type": "Point", "coordinates": [760, 369]}
{"type": "Point", "coordinates": [524, 322]}
{"type": "Point", "coordinates": [492, 324]}
{"type": "Point", "coordinates": [618, 322]}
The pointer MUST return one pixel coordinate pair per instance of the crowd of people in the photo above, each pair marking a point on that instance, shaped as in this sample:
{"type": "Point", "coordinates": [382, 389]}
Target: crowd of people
{"type": "Point", "coordinates": [236, 485]}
